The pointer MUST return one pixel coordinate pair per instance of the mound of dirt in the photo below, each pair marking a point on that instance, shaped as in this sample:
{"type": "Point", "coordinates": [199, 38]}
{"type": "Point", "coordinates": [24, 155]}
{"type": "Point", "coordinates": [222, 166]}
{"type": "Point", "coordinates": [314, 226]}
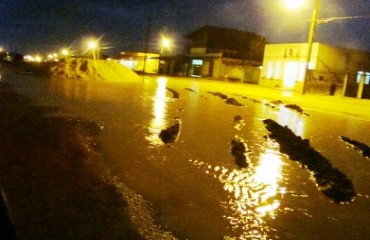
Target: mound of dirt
{"type": "Point", "coordinates": [87, 69]}
{"type": "Point", "coordinates": [359, 146]}
{"type": "Point", "coordinates": [330, 181]}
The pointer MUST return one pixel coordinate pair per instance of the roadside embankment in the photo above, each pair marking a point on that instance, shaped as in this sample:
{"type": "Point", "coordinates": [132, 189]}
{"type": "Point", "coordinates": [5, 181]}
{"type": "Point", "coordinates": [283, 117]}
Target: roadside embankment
{"type": "Point", "coordinates": [49, 171]}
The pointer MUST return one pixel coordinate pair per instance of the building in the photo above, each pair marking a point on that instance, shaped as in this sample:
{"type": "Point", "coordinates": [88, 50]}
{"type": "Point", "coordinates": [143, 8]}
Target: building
{"type": "Point", "coordinates": [137, 61]}
{"type": "Point", "coordinates": [332, 70]}
{"type": "Point", "coordinates": [219, 53]}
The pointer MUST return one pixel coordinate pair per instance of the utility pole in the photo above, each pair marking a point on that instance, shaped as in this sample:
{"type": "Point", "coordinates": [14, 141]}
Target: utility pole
{"type": "Point", "coordinates": [147, 41]}
{"type": "Point", "coordinates": [311, 37]}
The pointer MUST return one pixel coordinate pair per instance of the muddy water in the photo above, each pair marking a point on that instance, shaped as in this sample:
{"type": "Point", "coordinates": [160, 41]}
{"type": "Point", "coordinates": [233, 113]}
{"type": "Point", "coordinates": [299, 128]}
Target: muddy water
{"type": "Point", "coordinates": [193, 186]}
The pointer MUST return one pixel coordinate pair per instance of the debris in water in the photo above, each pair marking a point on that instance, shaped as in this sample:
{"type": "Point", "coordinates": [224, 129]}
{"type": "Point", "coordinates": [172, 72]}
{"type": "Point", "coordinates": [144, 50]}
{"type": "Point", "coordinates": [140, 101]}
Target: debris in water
{"type": "Point", "coordinates": [220, 95]}
{"type": "Point", "coordinates": [190, 89]}
{"type": "Point", "coordinates": [333, 183]}
{"type": "Point", "coordinates": [231, 101]}
{"type": "Point", "coordinates": [239, 150]}
{"type": "Point", "coordinates": [238, 122]}
{"type": "Point", "coordinates": [361, 147]}
{"type": "Point", "coordinates": [175, 93]}
{"type": "Point", "coordinates": [276, 102]}
{"type": "Point", "coordinates": [171, 133]}
{"type": "Point", "coordinates": [238, 119]}
{"type": "Point", "coordinates": [294, 107]}
{"type": "Point", "coordinates": [234, 102]}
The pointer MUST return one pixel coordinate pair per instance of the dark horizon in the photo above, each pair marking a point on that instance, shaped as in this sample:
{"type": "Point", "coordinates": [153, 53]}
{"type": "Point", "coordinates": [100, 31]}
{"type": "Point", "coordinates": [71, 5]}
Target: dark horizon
{"type": "Point", "coordinates": [43, 26]}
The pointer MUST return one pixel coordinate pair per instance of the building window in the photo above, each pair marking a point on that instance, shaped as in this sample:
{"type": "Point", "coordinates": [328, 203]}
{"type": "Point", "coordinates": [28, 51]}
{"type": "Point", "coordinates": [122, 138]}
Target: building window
{"type": "Point", "coordinates": [277, 70]}
{"type": "Point", "coordinates": [291, 73]}
{"type": "Point", "coordinates": [292, 53]}
{"type": "Point", "coordinates": [197, 62]}
{"type": "Point", "coordinates": [269, 70]}
{"type": "Point", "coordinates": [302, 71]}
{"type": "Point", "coordinates": [361, 74]}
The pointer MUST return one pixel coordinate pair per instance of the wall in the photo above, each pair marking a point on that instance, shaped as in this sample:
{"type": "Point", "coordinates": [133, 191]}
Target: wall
{"type": "Point", "coordinates": [278, 59]}
{"type": "Point", "coordinates": [284, 66]}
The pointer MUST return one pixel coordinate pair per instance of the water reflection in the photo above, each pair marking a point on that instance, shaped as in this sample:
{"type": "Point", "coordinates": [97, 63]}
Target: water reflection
{"type": "Point", "coordinates": [254, 193]}
{"type": "Point", "coordinates": [284, 116]}
{"type": "Point", "coordinates": [294, 120]}
{"type": "Point", "coordinates": [159, 112]}
{"type": "Point", "coordinates": [268, 173]}
{"type": "Point", "coordinates": [71, 88]}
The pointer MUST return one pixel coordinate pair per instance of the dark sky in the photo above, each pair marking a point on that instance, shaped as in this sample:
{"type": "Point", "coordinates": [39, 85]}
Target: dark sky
{"type": "Point", "coordinates": [42, 26]}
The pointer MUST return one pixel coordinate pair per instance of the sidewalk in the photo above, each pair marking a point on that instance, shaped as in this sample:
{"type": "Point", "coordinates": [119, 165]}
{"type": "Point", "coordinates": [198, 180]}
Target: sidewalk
{"type": "Point", "coordinates": [350, 107]}
{"type": "Point", "coordinates": [353, 107]}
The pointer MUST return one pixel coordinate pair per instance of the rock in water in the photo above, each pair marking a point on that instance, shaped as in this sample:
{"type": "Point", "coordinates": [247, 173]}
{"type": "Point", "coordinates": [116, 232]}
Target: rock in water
{"type": "Point", "coordinates": [239, 151]}
{"type": "Point", "coordinates": [171, 133]}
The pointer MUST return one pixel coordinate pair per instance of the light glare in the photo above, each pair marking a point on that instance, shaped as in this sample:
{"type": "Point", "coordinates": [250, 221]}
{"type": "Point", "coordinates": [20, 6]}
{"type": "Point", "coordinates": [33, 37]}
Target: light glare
{"type": "Point", "coordinates": [293, 4]}
{"type": "Point", "coordinates": [92, 44]}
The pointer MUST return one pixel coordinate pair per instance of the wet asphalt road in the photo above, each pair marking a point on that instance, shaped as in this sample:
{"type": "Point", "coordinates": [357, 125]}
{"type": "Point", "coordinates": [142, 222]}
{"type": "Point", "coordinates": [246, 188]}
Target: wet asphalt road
{"type": "Point", "coordinates": [194, 185]}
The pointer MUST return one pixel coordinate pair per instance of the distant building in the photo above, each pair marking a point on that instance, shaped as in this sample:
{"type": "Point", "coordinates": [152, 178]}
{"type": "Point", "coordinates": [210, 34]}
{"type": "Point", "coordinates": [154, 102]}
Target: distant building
{"type": "Point", "coordinates": [333, 70]}
{"type": "Point", "coordinates": [135, 61]}
{"type": "Point", "coordinates": [219, 53]}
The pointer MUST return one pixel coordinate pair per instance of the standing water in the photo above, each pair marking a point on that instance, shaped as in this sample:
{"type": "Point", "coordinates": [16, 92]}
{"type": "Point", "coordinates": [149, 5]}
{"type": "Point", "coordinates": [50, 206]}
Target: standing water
{"type": "Point", "coordinates": [223, 175]}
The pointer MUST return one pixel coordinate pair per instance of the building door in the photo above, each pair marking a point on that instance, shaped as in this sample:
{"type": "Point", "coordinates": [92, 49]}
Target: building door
{"type": "Point", "coordinates": [197, 67]}
{"type": "Point", "coordinates": [290, 74]}
{"type": "Point", "coordinates": [211, 66]}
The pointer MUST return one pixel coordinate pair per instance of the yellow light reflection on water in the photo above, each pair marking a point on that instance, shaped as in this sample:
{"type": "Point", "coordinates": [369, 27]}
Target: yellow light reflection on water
{"type": "Point", "coordinates": [159, 111]}
{"type": "Point", "coordinates": [292, 119]}
{"type": "Point", "coordinates": [254, 193]}
{"type": "Point", "coordinates": [159, 106]}
{"type": "Point", "coordinates": [268, 173]}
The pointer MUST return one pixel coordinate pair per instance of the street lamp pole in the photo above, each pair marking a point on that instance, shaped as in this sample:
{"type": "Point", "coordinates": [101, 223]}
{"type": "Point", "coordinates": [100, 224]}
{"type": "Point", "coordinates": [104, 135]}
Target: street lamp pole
{"type": "Point", "coordinates": [311, 37]}
{"type": "Point", "coordinates": [65, 53]}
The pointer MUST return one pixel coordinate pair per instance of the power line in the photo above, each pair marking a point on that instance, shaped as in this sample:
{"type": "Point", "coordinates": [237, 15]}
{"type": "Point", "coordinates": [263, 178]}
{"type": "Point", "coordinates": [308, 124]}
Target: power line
{"type": "Point", "coordinates": [326, 20]}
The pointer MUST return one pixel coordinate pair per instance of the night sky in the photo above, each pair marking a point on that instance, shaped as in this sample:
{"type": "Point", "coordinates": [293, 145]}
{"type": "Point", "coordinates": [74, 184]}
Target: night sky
{"type": "Point", "coordinates": [43, 26]}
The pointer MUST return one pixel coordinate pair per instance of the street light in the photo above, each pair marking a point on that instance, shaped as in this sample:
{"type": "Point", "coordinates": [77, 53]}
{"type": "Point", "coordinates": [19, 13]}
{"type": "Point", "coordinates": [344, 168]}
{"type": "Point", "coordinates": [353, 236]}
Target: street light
{"type": "Point", "coordinates": [92, 45]}
{"type": "Point", "coordinates": [65, 52]}
{"type": "Point", "coordinates": [293, 4]}
{"type": "Point", "coordinates": [165, 43]}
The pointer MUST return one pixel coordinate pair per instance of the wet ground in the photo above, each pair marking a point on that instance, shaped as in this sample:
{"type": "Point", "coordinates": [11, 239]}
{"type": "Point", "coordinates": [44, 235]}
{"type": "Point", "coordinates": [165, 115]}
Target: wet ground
{"type": "Point", "coordinates": [176, 158]}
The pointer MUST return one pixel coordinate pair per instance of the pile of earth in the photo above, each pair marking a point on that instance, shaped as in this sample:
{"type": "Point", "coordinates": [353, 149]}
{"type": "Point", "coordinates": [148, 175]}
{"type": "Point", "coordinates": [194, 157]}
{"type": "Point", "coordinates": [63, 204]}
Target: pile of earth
{"type": "Point", "coordinates": [83, 68]}
{"type": "Point", "coordinates": [330, 181]}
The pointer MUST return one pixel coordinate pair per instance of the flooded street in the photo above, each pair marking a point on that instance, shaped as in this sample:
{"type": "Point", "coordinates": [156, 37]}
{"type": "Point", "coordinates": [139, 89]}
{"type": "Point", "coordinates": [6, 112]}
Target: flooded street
{"type": "Point", "coordinates": [220, 174]}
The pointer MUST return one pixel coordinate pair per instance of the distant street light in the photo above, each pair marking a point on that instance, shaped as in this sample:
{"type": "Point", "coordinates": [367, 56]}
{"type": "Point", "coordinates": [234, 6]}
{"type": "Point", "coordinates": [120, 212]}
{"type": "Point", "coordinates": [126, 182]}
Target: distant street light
{"type": "Point", "coordinates": [65, 52]}
{"type": "Point", "coordinates": [93, 45]}
{"type": "Point", "coordinates": [165, 43]}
